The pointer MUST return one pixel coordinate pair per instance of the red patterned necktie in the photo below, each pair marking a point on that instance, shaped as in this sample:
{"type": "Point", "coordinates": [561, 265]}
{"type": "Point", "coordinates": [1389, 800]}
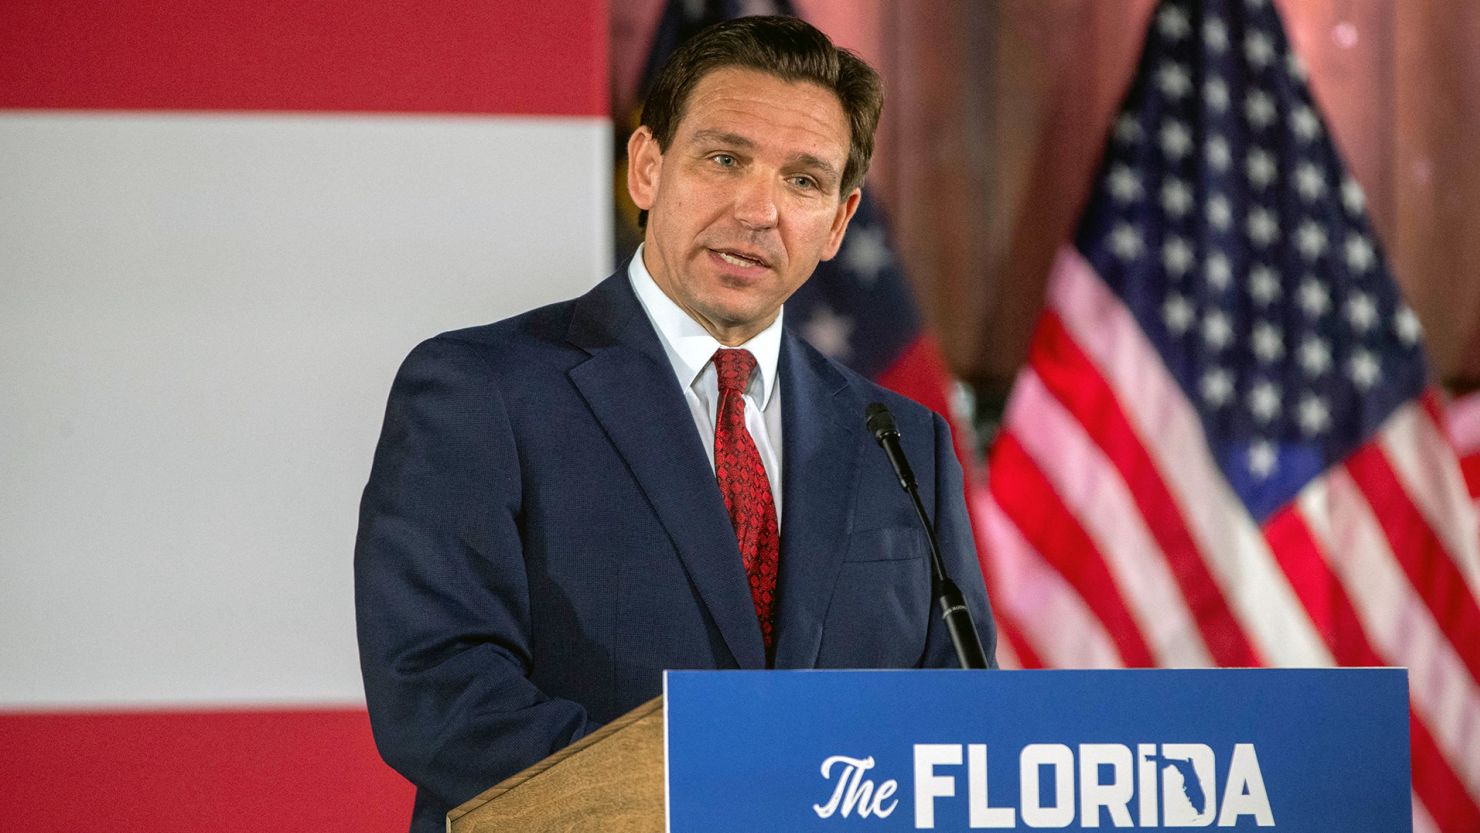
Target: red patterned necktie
{"type": "Point", "coordinates": [747, 492]}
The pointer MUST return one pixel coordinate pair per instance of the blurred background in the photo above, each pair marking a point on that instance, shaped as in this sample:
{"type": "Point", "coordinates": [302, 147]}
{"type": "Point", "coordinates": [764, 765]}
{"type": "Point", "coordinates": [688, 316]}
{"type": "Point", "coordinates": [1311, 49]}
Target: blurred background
{"type": "Point", "coordinates": [223, 225]}
{"type": "Point", "coordinates": [998, 112]}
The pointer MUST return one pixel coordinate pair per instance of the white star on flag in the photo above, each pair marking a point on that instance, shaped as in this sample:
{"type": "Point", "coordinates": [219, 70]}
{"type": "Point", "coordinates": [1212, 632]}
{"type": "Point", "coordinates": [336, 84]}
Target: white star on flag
{"type": "Point", "coordinates": [1173, 22]}
{"type": "Point", "coordinates": [1173, 80]}
{"type": "Point", "coordinates": [1127, 129]}
{"type": "Point", "coordinates": [1217, 387]}
{"type": "Point", "coordinates": [1315, 356]}
{"type": "Point", "coordinates": [1352, 197]}
{"type": "Point", "coordinates": [1215, 34]}
{"type": "Point", "coordinates": [1360, 256]}
{"type": "Point", "coordinates": [829, 332]}
{"type": "Point", "coordinates": [1220, 213]}
{"type": "Point", "coordinates": [1361, 311]}
{"type": "Point", "coordinates": [1262, 459]}
{"type": "Point", "coordinates": [1264, 400]}
{"type": "Point", "coordinates": [1215, 93]}
{"type": "Point", "coordinates": [1263, 228]}
{"type": "Point", "coordinates": [1218, 272]}
{"type": "Point", "coordinates": [1310, 239]}
{"type": "Point", "coordinates": [1217, 333]}
{"type": "Point", "coordinates": [1176, 197]}
{"type": "Point", "coordinates": [1218, 154]}
{"type": "Point", "coordinates": [1363, 368]}
{"type": "Point", "coordinates": [1269, 343]}
{"type": "Point", "coordinates": [1314, 298]}
{"type": "Point", "coordinates": [1264, 285]}
{"type": "Point", "coordinates": [1175, 139]}
{"type": "Point", "coordinates": [1295, 67]}
{"type": "Point", "coordinates": [1313, 415]}
{"type": "Point", "coordinates": [1123, 183]}
{"type": "Point", "coordinates": [1258, 50]}
{"type": "Point", "coordinates": [1310, 181]}
{"type": "Point", "coordinates": [866, 254]}
{"type": "Point", "coordinates": [1305, 124]}
{"type": "Point", "coordinates": [1177, 256]}
{"type": "Point", "coordinates": [1260, 168]}
{"type": "Point", "coordinates": [1406, 323]}
{"type": "Point", "coordinates": [1259, 109]}
{"type": "Point", "coordinates": [1125, 241]}
{"type": "Point", "coordinates": [1178, 313]}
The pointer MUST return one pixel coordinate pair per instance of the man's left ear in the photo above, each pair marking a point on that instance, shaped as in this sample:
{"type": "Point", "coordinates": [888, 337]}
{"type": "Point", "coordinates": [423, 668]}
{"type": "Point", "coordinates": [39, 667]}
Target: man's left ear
{"type": "Point", "coordinates": [846, 209]}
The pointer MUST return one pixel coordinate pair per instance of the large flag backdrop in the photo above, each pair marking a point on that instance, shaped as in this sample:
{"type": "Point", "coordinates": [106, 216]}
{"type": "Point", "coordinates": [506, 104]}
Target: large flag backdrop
{"type": "Point", "coordinates": [222, 225]}
{"type": "Point", "coordinates": [1222, 450]}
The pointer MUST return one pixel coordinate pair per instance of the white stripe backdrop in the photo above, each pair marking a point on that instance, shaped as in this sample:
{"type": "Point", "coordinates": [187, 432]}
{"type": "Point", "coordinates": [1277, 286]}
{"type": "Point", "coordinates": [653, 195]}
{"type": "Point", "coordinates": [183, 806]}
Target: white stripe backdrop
{"type": "Point", "coordinates": [200, 316]}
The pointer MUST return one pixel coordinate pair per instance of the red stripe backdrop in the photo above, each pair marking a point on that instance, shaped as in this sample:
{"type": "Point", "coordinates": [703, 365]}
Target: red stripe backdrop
{"type": "Point", "coordinates": [481, 56]}
{"type": "Point", "coordinates": [182, 772]}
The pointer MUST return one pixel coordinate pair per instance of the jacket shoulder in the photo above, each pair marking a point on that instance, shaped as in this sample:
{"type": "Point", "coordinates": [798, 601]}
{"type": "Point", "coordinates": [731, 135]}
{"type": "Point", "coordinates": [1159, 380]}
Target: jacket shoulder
{"type": "Point", "coordinates": [864, 391]}
{"type": "Point", "coordinates": [543, 325]}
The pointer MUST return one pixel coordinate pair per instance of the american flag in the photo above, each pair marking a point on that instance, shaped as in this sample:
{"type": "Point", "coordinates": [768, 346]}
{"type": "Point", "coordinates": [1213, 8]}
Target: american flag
{"type": "Point", "coordinates": [858, 307]}
{"type": "Point", "coordinates": [1222, 451]}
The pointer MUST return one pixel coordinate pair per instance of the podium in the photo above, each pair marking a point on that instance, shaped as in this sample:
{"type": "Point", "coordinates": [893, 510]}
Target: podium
{"type": "Point", "coordinates": [610, 780]}
{"type": "Point", "coordinates": [1245, 749]}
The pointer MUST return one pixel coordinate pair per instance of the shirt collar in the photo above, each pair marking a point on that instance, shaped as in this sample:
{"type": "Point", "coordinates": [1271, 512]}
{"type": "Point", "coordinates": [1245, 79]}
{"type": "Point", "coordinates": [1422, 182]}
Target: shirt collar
{"type": "Point", "coordinates": [688, 345]}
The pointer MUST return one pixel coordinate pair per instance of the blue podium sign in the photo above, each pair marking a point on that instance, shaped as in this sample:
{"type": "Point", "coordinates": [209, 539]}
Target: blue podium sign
{"type": "Point", "coordinates": [1281, 749]}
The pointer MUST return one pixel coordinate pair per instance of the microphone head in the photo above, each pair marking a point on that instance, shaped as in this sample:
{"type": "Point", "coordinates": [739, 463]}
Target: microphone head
{"type": "Point", "coordinates": [880, 421]}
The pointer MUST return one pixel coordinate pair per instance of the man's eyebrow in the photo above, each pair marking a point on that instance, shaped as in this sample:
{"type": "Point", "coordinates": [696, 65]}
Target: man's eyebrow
{"type": "Point", "coordinates": [721, 137]}
{"type": "Point", "coordinates": [807, 160]}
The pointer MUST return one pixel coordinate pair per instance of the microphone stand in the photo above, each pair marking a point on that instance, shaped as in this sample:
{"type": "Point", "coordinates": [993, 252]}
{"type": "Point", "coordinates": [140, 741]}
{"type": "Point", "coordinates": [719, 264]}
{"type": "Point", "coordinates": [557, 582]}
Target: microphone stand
{"type": "Point", "coordinates": [948, 598]}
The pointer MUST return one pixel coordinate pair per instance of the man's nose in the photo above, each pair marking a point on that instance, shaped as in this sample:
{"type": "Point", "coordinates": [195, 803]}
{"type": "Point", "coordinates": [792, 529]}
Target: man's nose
{"type": "Point", "coordinates": [755, 202]}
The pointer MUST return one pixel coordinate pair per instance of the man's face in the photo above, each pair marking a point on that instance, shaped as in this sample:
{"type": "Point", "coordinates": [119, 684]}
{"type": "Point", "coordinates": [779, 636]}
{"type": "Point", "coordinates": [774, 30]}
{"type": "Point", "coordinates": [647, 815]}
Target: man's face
{"type": "Point", "coordinates": [746, 199]}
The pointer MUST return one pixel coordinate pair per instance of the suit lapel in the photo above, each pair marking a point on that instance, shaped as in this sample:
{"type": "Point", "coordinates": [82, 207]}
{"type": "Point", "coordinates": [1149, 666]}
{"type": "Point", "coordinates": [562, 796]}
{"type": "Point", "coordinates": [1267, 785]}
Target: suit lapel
{"type": "Point", "coordinates": [630, 387]}
{"type": "Point", "coordinates": [819, 462]}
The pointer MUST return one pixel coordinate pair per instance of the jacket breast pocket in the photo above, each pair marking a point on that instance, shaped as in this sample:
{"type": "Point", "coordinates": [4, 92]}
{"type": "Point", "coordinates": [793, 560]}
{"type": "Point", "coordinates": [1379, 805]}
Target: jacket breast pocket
{"type": "Point", "coordinates": [889, 543]}
{"type": "Point", "coordinates": [881, 604]}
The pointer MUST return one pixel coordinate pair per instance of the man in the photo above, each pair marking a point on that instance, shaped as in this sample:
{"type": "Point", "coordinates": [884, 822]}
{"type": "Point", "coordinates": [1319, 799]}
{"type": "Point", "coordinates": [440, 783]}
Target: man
{"type": "Point", "coordinates": [655, 475]}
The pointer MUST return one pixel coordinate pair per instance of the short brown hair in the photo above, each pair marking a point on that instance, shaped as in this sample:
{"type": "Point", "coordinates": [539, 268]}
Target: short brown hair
{"type": "Point", "coordinates": [786, 47]}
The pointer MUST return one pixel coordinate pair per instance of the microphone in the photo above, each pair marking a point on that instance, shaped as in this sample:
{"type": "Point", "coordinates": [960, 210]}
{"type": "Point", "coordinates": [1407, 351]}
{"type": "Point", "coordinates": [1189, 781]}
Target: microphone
{"type": "Point", "coordinates": [948, 596]}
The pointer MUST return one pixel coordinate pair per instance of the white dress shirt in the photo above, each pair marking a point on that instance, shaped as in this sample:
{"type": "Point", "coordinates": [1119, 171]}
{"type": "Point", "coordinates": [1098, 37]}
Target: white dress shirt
{"type": "Point", "coordinates": [690, 347]}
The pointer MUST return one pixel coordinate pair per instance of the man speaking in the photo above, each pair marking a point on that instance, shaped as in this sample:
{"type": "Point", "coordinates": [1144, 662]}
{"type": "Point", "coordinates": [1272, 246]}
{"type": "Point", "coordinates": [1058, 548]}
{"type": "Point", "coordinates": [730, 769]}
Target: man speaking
{"type": "Point", "coordinates": [654, 475]}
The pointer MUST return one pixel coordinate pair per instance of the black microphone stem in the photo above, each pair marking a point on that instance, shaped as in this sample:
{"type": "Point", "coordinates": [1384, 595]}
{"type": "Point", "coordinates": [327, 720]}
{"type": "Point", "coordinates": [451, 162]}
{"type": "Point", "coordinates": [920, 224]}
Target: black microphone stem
{"type": "Point", "coordinates": [937, 565]}
{"type": "Point", "coordinates": [953, 609]}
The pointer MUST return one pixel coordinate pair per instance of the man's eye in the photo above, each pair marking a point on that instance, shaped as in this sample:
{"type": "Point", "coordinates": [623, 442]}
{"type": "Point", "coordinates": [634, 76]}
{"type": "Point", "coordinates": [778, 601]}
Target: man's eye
{"type": "Point", "coordinates": [804, 182]}
{"type": "Point", "coordinates": [724, 160]}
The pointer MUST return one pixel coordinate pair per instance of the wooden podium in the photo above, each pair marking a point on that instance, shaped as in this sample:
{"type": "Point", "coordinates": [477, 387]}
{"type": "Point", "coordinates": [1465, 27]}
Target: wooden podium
{"type": "Point", "coordinates": [610, 780]}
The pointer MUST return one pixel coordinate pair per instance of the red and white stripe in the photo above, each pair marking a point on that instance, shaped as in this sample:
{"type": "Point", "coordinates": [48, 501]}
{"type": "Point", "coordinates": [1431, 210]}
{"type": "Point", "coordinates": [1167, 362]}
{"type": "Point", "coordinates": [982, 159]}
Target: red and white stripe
{"type": "Point", "coordinates": [1105, 504]}
{"type": "Point", "coordinates": [224, 224]}
{"type": "Point", "coordinates": [1464, 432]}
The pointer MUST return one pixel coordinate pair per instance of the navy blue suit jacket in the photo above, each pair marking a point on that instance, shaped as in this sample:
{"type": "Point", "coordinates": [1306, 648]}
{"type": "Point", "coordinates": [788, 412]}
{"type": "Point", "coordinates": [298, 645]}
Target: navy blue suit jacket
{"type": "Point", "coordinates": [542, 536]}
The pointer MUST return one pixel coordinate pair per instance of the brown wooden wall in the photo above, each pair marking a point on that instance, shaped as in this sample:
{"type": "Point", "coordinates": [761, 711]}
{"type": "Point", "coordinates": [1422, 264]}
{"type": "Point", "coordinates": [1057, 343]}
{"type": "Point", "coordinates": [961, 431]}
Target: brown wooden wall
{"type": "Point", "coordinates": [998, 108]}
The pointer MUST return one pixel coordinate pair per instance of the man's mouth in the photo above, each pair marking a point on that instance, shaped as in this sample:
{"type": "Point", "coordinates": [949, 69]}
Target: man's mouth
{"type": "Point", "coordinates": [738, 259]}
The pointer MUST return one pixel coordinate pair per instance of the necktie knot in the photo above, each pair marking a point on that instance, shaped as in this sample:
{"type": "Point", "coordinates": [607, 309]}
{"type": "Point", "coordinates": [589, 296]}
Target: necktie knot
{"type": "Point", "coordinates": [733, 368]}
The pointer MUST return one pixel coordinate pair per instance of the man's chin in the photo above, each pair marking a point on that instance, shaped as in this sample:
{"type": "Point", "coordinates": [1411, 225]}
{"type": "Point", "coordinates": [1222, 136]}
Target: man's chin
{"type": "Point", "coordinates": [733, 324]}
